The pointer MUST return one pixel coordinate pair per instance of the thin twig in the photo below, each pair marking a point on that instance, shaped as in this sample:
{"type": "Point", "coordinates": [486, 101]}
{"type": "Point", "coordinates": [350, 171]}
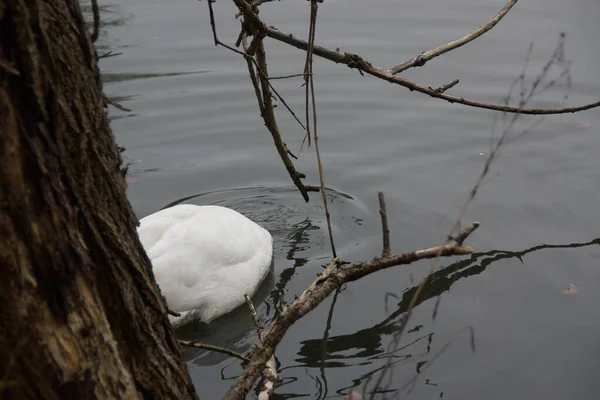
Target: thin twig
{"type": "Point", "coordinates": [525, 97]}
{"type": "Point", "coordinates": [270, 378]}
{"type": "Point", "coordinates": [422, 58]}
{"type": "Point", "coordinates": [251, 50]}
{"type": "Point", "coordinates": [280, 98]}
{"type": "Point", "coordinates": [307, 78]}
{"type": "Point", "coordinates": [264, 98]}
{"type": "Point", "coordinates": [189, 343]}
{"type": "Point", "coordinates": [287, 76]}
{"type": "Point", "coordinates": [384, 225]}
{"type": "Point", "coordinates": [310, 80]}
{"type": "Point", "coordinates": [462, 236]}
{"type": "Point", "coordinates": [271, 123]}
{"type": "Point", "coordinates": [356, 61]}
{"type": "Point", "coordinates": [257, 325]}
{"type": "Point", "coordinates": [445, 87]}
{"type": "Point", "coordinates": [254, 80]}
{"type": "Point", "coordinates": [212, 21]}
{"type": "Point", "coordinates": [248, 57]}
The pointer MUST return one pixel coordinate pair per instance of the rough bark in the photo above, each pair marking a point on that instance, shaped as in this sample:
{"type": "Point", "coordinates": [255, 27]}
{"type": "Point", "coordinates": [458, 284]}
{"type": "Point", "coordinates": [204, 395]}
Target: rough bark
{"type": "Point", "coordinates": [80, 313]}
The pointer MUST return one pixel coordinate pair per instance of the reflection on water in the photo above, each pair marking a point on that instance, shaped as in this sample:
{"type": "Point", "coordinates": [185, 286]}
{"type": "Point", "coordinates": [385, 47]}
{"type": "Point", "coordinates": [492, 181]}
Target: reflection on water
{"type": "Point", "coordinates": [365, 346]}
{"type": "Point", "coordinates": [296, 227]}
{"type": "Point", "coordinates": [109, 78]}
{"type": "Point", "coordinates": [110, 16]}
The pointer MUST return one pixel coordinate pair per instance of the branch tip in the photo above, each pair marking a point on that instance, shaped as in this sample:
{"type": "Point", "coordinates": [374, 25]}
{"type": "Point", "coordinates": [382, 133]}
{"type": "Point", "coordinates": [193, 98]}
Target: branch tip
{"type": "Point", "coordinates": [465, 233]}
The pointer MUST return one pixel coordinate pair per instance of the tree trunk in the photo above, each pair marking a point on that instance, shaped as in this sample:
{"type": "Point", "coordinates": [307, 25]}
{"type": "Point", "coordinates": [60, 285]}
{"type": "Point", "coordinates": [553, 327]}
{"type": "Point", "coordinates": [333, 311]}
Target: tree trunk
{"type": "Point", "coordinates": [80, 314]}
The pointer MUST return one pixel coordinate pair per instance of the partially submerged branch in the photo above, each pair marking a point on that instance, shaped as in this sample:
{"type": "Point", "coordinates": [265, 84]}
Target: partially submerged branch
{"type": "Point", "coordinates": [327, 282]}
{"type": "Point", "coordinates": [270, 378]}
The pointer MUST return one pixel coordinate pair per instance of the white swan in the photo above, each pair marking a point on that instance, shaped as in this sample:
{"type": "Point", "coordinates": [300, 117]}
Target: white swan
{"type": "Point", "coordinates": [205, 258]}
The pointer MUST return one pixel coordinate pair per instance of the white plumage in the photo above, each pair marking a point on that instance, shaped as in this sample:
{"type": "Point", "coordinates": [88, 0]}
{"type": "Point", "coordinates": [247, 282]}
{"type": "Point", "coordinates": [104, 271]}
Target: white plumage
{"type": "Point", "coordinates": [205, 258]}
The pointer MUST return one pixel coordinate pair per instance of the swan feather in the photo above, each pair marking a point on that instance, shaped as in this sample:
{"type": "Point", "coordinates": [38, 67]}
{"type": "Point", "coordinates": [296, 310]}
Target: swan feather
{"type": "Point", "coordinates": [205, 258]}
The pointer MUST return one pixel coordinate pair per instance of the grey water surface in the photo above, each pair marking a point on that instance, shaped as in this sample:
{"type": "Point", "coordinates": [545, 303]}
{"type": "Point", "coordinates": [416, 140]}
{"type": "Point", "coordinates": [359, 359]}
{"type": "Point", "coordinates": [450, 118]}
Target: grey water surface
{"type": "Point", "coordinates": [194, 135]}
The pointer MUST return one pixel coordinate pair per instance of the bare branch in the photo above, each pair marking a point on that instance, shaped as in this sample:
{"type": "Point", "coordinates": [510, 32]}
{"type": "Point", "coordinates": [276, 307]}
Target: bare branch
{"type": "Point", "coordinates": [257, 325]}
{"type": "Point", "coordinates": [326, 283]}
{"type": "Point", "coordinates": [269, 118]}
{"type": "Point", "coordinates": [310, 84]}
{"type": "Point", "coordinates": [286, 76]}
{"type": "Point", "coordinates": [447, 86]}
{"type": "Point", "coordinates": [264, 94]}
{"type": "Point", "coordinates": [356, 61]}
{"type": "Point", "coordinates": [270, 378]}
{"type": "Point", "coordinates": [254, 80]}
{"type": "Point", "coordinates": [384, 226]}
{"type": "Point", "coordinates": [251, 50]}
{"type": "Point", "coordinates": [212, 21]}
{"type": "Point", "coordinates": [422, 58]}
{"type": "Point", "coordinates": [462, 236]}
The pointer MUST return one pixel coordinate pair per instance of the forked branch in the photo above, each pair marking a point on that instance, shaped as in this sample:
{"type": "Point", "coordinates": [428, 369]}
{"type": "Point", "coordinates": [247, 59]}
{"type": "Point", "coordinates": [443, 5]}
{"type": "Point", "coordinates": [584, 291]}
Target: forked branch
{"type": "Point", "coordinates": [356, 61]}
{"type": "Point", "coordinates": [265, 92]}
{"type": "Point", "coordinates": [331, 279]}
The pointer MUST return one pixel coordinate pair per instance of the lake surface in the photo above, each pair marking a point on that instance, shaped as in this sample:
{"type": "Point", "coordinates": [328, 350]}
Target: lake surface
{"type": "Point", "coordinates": [194, 134]}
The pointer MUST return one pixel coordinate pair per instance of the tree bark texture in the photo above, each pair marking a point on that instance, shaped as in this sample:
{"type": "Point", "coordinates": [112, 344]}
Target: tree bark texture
{"type": "Point", "coordinates": [80, 314]}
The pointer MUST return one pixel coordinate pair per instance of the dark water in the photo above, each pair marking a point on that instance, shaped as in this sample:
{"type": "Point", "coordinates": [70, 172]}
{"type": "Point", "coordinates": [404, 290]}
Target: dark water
{"type": "Point", "coordinates": [194, 133]}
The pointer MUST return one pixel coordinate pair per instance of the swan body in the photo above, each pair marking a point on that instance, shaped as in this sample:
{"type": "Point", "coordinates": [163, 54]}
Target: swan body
{"type": "Point", "coordinates": [205, 258]}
